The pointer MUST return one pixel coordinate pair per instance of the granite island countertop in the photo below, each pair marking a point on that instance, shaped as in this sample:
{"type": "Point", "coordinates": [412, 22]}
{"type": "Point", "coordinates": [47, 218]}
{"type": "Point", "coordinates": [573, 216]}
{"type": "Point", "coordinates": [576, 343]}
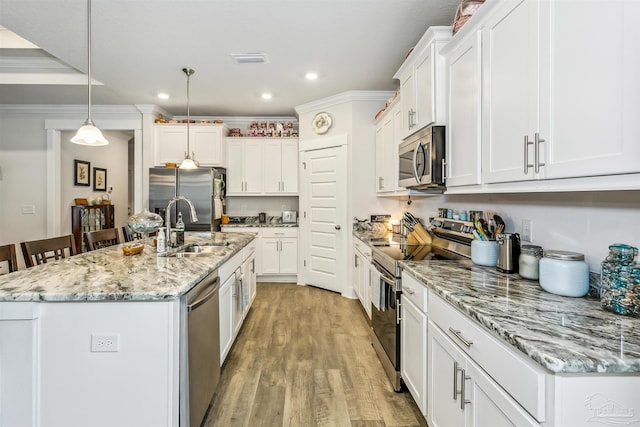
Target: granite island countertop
{"type": "Point", "coordinates": [108, 275]}
{"type": "Point", "coordinates": [563, 334]}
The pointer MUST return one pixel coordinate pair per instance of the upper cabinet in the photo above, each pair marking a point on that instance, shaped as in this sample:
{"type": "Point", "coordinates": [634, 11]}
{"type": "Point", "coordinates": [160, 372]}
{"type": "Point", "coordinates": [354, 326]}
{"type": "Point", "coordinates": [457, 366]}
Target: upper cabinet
{"type": "Point", "coordinates": [205, 142]}
{"type": "Point", "coordinates": [262, 166]}
{"type": "Point", "coordinates": [245, 170]}
{"type": "Point", "coordinates": [387, 142]}
{"type": "Point", "coordinates": [464, 129]}
{"type": "Point", "coordinates": [556, 108]}
{"type": "Point", "coordinates": [281, 167]}
{"type": "Point", "coordinates": [422, 83]}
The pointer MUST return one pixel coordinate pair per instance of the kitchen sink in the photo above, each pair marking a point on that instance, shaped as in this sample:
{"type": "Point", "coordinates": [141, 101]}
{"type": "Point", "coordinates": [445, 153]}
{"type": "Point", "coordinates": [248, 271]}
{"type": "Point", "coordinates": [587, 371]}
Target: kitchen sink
{"type": "Point", "coordinates": [200, 248]}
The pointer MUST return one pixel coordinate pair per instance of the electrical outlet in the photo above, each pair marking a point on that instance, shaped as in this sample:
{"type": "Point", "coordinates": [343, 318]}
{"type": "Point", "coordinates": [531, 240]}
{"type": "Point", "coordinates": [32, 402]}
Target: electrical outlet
{"type": "Point", "coordinates": [105, 342]}
{"type": "Point", "coordinates": [527, 234]}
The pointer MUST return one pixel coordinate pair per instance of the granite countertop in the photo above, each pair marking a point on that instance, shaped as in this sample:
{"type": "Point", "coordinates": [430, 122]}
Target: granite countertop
{"type": "Point", "coordinates": [253, 221]}
{"type": "Point", "coordinates": [107, 275]}
{"type": "Point", "coordinates": [563, 334]}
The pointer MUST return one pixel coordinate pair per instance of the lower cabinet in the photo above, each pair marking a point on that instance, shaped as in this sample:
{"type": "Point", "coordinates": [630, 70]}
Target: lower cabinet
{"type": "Point", "coordinates": [461, 394]}
{"type": "Point", "coordinates": [362, 274]}
{"type": "Point", "coordinates": [413, 352]}
{"type": "Point", "coordinates": [236, 295]}
{"type": "Point", "coordinates": [276, 252]}
{"type": "Point", "coordinates": [279, 250]}
{"type": "Point", "coordinates": [413, 339]}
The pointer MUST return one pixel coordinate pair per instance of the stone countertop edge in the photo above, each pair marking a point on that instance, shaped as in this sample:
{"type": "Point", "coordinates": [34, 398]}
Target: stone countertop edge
{"type": "Point", "coordinates": [565, 335]}
{"type": "Point", "coordinates": [108, 275]}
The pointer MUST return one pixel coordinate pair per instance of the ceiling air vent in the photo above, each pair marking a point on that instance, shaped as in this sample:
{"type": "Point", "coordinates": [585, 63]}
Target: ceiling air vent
{"type": "Point", "coordinates": [249, 58]}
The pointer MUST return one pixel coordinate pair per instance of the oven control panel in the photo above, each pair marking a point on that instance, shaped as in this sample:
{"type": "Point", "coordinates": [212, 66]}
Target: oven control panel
{"type": "Point", "coordinates": [453, 227]}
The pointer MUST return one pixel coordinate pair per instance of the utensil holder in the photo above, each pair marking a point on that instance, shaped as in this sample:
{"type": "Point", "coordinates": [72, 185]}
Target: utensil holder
{"type": "Point", "coordinates": [484, 252]}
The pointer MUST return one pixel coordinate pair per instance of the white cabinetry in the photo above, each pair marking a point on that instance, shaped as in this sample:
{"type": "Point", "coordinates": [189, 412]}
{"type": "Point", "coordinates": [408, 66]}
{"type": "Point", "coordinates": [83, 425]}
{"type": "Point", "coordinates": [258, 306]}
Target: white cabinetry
{"type": "Point", "coordinates": [557, 103]}
{"type": "Point", "coordinates": [413, 340]}
{"type": "Point", "coordinates": [237, 292]}
{"type": "Point", "coordinates": [205, 142]}
{"type": "Point", "coordinates": [279, 250]}
{"type": "Point", "coordinates": [245, 170]}
{"type": "Point", "coordinates": [464, 130]}
{"type": "Point", "coordinates": [422, 83]}
{"type": "Point", "coordinates": [361, 273]}
{"type": "Point", "coordinates": [474, 380]}
{"type": "Point", "coordinates": [281, 166]}
{"type": "Point", "coordinates": [262, 166]}
{"type": "Point", "coordinates": [387, 141]}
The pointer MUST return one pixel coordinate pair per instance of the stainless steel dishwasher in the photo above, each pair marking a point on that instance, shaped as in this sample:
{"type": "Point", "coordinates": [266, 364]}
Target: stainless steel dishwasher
{"type": "Point", "coordinates": [200, 351]}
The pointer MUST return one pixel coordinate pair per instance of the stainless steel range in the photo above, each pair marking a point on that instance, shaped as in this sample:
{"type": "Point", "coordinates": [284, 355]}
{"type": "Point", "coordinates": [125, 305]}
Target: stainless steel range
{"type": "Point", "coordinates": [451, 240]}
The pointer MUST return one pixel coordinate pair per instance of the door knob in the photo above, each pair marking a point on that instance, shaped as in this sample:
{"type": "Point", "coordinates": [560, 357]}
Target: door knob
{"type": "Point", "coordinates": [337, 227]}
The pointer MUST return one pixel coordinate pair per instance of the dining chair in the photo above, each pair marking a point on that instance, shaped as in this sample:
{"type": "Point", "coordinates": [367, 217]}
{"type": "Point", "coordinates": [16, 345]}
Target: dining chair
{"type": "Point", "coordinates": [8, 254]}
{"type": "Point", "coordinates": [101, 238]}
{"type": "Point", "coordinates": [129, 234]}
{"type": "Point", "coordinates": [38, 252]}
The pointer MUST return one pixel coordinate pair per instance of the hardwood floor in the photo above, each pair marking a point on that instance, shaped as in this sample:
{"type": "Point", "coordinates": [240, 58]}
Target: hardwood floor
{"type": "Point", "coordinates": [304, 358]}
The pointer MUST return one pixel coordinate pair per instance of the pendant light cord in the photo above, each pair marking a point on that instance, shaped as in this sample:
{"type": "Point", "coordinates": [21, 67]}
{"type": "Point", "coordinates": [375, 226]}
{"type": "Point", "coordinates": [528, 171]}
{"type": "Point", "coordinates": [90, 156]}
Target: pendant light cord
{"type": "Point", "coordinates": [188, 72]}
{"type": "Point", "coordinates": [89, 119]}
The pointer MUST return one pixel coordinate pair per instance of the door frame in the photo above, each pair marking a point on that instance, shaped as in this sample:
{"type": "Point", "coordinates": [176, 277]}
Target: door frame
{"type": "Point", "coordinates": [54, 129]}
{"type": "Point", "coordinates": [315, 144]}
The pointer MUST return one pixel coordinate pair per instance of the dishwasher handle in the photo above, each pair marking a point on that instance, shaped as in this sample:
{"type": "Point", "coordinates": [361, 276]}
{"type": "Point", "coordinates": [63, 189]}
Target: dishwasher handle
{"type": "Point", "coordinates": [212, 289]}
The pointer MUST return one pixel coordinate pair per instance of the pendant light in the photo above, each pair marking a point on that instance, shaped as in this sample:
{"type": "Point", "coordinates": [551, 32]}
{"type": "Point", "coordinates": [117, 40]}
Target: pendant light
{"type": "Point", "coordinates": [89, 134]}
{"type": "Point", "coordinates": [188, 162]}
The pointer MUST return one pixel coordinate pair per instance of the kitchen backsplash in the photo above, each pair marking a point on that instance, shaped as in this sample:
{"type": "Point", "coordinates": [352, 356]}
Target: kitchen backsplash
{"type": "Point", "coordinates": [250, 206]}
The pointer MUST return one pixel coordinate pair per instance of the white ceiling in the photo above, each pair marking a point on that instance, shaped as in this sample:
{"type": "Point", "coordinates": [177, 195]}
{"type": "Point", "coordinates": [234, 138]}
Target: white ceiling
{"type": "Point", "coordinates": [140, 47]}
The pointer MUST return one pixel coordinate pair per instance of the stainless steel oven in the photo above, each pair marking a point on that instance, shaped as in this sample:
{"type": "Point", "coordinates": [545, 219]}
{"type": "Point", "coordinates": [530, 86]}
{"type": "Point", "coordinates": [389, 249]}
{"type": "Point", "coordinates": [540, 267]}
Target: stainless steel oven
{"type": "Point", "coordinates": [385, 322]}
{"type": "Point", "coordinates": [421, 160]}
{"type": "Point", "coordinates": [387, 288]}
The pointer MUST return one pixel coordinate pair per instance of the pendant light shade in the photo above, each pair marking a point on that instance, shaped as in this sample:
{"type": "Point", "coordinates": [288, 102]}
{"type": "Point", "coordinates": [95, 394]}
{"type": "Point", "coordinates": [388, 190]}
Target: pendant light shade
{"type": "Point", "coordinates": [188, 162]}
{"type": "Point", "coordinates": [89, 134]}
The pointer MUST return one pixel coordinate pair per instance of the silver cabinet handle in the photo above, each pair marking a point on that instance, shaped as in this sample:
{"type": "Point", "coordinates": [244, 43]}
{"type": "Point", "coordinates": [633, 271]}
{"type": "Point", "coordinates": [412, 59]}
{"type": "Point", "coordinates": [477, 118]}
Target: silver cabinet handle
{"type": "Point", "coordinates": [455, 380]}
{"type": "Point", "coordinates": [463, 379]}
{"type": "Point", "coordinates": [444, 169]}
{"type": "Point", "coordinates": [337, 227]}
{"type": "Point", "coordinates": [408, 290]}
{"type": "Point", "coordinates": [527, 165]}
{"type": "Point", "coordinates": [458, 335]}
{"type": "Point", "coordinates": [355, 259]}
{"type": "Point", "coordinates": [398, 318]}
{"type": "Point", "coordinates": [380, 186]}
{"type": "Point", "coordinates": [536, 147]}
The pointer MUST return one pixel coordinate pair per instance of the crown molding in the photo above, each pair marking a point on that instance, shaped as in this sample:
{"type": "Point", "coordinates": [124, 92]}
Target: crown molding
{"type": "Point", "coordinates": [37, 109]}
{"type": "Point", "coordinates": [341, 98]}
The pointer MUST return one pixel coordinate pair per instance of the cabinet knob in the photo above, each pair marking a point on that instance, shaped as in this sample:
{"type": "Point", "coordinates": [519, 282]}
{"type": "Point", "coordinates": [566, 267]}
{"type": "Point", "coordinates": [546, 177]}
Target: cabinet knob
{"type": "Point", "coordinates": [337, 227]}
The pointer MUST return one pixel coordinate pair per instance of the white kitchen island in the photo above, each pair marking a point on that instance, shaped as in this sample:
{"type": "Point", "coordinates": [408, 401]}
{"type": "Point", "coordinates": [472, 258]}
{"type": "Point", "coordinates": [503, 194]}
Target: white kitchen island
{"type": "Point", "coordinates": [54, 317]}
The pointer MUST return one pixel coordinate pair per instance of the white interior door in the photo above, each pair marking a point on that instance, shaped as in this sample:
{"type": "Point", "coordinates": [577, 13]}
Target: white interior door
{"type": "Point", "coordinates": [326, 227]}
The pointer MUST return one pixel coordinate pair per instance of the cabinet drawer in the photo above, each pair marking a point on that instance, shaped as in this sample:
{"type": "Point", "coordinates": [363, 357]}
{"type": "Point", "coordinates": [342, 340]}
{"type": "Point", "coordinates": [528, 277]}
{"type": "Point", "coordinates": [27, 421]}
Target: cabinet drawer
{"type": "Point", "coordinates": [249, 249]}
{"type": "Point", "coordinates": [414, 291]}
{"type": "Point", "coordinates": [521, 378]}
{"type": "Point", "coordinates": [361, 246]}
{"type": "Point", "coordinates": [279, 232]}
{"type": "Point", "coordinates": [230, 266]}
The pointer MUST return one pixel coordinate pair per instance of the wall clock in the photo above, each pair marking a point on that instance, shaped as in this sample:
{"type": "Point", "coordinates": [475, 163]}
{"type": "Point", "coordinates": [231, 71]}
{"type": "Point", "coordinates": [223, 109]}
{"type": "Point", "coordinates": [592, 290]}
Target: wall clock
{"type": "Point", "coordinates": [321, 123]}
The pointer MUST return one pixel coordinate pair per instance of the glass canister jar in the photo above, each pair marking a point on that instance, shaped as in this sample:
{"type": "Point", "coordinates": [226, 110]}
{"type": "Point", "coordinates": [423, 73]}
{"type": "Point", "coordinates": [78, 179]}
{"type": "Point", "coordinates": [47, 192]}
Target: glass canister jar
{"type": "Point", "coordinates": [620, 279]}
{"type": "Point", "coordinates": [529, 261]}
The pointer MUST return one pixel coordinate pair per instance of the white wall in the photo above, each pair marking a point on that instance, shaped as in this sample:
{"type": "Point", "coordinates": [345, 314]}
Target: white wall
{"type": "Point", "coordinates": [112, 157]}
{"type": "Point", "coordinates": [585, 222]}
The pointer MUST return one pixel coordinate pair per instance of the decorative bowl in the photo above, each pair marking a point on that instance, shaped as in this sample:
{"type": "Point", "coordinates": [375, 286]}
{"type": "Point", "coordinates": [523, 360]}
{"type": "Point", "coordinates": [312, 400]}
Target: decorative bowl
{"type": "Point", "coordinates": [132, 248]}
{"type": "Point", "coordinates": [145, 222]}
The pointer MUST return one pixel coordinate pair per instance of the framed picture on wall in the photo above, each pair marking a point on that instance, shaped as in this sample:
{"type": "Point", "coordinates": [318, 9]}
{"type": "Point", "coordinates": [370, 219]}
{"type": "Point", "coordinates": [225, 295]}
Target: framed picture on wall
{"type": "Point", "coordinates": [81, 174]}
{"type": "Point", "coordinates": [99, 179]}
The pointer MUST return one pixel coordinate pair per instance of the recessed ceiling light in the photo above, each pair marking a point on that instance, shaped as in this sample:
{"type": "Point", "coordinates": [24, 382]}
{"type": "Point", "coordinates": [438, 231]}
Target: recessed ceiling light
{"type": "Point", "coordinates": [163, 96]}
{"type": "Point", "coordinates": [267, 96]}
{"type": "Point", "coordinates": [311, 76]}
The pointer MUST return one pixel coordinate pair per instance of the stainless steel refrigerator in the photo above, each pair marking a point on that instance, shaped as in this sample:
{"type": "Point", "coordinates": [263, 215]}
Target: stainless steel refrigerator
{"type": "Point", "coordinates": [205, 187]}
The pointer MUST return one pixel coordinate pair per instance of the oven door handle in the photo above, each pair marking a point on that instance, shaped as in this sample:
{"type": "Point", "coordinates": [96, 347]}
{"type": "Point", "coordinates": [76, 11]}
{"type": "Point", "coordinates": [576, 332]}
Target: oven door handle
{"type": "Point", "coordinates": [384, 275]}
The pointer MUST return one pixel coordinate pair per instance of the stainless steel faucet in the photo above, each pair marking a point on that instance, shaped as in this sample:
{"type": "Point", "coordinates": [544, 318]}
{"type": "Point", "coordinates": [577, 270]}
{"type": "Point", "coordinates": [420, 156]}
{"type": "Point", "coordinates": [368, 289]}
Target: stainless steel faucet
{"type": "Point", "coordinates": [167, 219]}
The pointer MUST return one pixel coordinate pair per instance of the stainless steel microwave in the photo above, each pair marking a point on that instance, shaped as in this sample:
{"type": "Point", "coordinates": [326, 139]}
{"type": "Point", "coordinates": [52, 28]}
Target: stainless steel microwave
{"type": "Point", "coordinates": [421, 160]}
